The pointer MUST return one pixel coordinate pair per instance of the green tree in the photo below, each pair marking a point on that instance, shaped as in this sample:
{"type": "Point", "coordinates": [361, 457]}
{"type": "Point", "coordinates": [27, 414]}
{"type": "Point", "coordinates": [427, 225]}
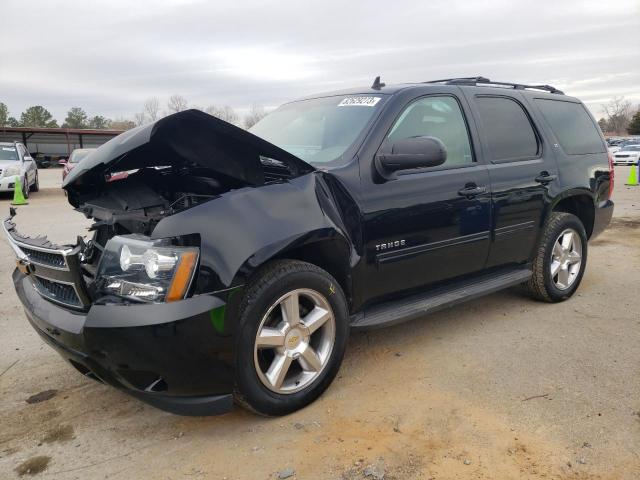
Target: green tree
{"type": "Point", "coordinates": [602, 123]}
{"type": "Point", "coordinates": [37, 117]}
{"type": "Point", "coordinates": [76, 118]}
{"type": "Point", "coordinates": [99, 122]}
{"type": "Point", "coordinates": [634, 125]}
{"type": "Point", "coordinates": [4, 115]}
{"type": "Point", "coordinates": [13, 122]}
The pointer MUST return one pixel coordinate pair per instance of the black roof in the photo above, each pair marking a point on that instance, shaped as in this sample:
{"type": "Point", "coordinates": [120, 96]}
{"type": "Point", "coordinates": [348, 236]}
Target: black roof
{"type": "Point", "coordinates": [382, 89]}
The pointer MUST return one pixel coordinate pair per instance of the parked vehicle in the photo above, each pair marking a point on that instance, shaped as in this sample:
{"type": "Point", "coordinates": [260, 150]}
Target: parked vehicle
{"type": "Point", "coordinates": [628, 155]}
{"type": "Point", "coordinates": [232, 264]}
{"type": "Point", "coordinates": [16, 162]}
{"type": "Point", "coordinates": [623, 144]}
{"type": "Point", "coordinates": [75, 157]}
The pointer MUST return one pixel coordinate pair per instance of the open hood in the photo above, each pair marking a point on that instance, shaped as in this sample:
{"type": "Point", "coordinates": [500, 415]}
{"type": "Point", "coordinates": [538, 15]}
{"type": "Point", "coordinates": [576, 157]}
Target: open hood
{"type": "Point", "coordinates": [189, 138]}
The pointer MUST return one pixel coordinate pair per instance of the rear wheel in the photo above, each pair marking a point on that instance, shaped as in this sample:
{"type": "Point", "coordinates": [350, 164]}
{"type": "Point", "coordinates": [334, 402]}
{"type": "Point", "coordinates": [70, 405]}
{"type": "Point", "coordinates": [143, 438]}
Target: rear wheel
{"type": "Point", "coordinates": [561, 259]}
{"type": "Point", "coordinates": [293, 333]}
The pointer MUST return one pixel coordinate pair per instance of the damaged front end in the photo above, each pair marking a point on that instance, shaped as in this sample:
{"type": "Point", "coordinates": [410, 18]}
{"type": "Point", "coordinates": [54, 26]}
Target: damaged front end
{"type": "Point", "coordinates": [130, 184]}
{"type": "Point", "coordinates": [146, 282]}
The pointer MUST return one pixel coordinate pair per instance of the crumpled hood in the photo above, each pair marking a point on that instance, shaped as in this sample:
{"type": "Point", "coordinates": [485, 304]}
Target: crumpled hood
{"type": "Point", "coordinates": [189, 138]}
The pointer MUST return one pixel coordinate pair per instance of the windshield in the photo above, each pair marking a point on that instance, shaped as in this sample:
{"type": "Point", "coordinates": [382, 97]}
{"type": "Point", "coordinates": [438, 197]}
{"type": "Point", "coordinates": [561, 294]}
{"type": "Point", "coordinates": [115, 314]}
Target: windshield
{"type": "Point", "coordinates": [8, 153]}
{"type": "Point", "coordinates": [78, 155]}
{"type": "Point", "coordinates": [319, 130]}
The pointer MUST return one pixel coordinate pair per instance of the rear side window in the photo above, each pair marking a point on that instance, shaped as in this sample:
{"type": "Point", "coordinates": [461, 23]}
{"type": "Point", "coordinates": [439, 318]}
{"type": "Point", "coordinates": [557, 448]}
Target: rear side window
{"type": "Point", "coordinates": [572, 126]}
{"type": "Point", "coordinates": [507, 129]}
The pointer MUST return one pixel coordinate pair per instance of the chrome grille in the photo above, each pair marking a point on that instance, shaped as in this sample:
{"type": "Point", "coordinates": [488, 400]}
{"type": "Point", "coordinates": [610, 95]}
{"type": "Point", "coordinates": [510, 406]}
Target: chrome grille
{"type": "Point", "coordinates": [57, 292]}
{"type": "Point", "coordinates": [49, 259]}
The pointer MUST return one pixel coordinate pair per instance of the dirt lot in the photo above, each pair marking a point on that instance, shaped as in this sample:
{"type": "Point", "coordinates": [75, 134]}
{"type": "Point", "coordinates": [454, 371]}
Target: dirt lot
{"type": "Point", "coordinates": [498, 388]}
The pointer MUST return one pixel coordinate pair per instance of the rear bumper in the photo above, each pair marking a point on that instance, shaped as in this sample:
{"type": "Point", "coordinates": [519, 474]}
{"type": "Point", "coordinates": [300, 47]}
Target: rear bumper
{"type": "Point", "coordinates": [173, 357]}
{"type": "Point", "coordinates": [602, 218]}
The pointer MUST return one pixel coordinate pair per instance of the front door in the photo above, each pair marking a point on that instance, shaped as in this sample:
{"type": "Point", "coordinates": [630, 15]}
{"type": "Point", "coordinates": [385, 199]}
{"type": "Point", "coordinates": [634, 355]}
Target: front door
{"type": "Point", "coordinates": [430, 224]}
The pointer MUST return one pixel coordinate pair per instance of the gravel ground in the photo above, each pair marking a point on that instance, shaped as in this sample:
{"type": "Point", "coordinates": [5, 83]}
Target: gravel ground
{"type": "Point", "coordinates": [502, 387]}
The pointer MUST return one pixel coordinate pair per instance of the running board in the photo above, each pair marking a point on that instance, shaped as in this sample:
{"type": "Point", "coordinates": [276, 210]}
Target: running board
{"type": "Point", "coordinates": [415, 306]}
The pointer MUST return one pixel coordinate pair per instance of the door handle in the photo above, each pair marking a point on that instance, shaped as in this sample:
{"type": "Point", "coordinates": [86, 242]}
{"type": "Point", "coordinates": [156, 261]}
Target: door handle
{"type": "Point", "coordinates": [471, 191]}
{"type": "Point", "coordinates": [545, 178]}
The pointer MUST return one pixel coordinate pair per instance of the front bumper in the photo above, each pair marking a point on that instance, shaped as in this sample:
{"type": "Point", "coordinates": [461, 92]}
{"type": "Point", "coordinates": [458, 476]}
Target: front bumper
{"type": "Point", "coordinates": [172, 356]}
{"type": "Point", "coordinates": [177, 356]}
{"type": "Point", "coordinates": [8, 183]}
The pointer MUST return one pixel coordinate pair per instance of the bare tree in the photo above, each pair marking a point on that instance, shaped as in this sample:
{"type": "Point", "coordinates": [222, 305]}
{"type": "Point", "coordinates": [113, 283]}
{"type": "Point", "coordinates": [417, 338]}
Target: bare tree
{"type": "Point", "coordinates": [256, 114]}
{"type": "Point", "coordinates": [225, 113]}
{"type": "Point", "coordinates": [177, 103]}
{"type": "Point", "coordinates": [152, 108]}
{"type": "Point", "coordinates": [618, 114]}
{"type": "Point", "coordinates": [139, 118]}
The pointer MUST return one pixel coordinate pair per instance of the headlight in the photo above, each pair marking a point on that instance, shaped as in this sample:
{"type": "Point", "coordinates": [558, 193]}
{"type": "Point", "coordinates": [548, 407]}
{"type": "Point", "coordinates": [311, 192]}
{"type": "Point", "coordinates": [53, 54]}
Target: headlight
{"type": "Point", "coordinates": [135, 267]}
{"type": "Point", "coordinates": [12, 170]}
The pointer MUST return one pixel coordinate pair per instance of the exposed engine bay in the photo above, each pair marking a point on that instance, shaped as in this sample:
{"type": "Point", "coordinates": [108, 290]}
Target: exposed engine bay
{"type": "Point", "coordinates": [127, 187]}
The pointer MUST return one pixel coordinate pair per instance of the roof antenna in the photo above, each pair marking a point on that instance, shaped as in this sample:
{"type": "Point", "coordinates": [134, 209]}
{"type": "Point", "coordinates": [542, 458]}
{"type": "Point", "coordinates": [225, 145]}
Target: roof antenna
{"type": "Point", "coordinates": [377, 84]}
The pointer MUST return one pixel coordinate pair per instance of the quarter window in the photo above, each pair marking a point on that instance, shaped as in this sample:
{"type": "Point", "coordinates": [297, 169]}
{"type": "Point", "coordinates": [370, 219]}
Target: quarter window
{"type": "Point", "coordinates": [572, 126]}
{"type": "Point", "coordinates": [507, 129]}
{"type": "Point", "coordinates": [438, 117]}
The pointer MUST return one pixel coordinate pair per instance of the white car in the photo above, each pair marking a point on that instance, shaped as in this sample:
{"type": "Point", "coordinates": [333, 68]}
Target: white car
{"type": "Point", "coordinates": [629, 155]}
{"type": "Point", "coordinates": [16, 162]}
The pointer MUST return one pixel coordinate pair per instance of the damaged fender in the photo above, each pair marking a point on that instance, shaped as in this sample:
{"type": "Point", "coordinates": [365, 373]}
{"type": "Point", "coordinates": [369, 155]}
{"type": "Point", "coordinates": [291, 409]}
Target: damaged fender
{"type": "Point", "coordinates": [243, 229]}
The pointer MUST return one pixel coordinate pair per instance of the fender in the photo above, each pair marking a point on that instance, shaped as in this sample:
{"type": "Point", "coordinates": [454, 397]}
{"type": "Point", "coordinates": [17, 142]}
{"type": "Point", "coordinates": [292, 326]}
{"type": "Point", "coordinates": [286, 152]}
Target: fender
{"type": "Point", "coordinates": [244, 228]}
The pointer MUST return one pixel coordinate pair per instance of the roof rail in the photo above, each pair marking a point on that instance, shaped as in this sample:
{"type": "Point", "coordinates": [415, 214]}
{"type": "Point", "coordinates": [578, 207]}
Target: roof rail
{"type": "Point", "coordinates": [486, 81]}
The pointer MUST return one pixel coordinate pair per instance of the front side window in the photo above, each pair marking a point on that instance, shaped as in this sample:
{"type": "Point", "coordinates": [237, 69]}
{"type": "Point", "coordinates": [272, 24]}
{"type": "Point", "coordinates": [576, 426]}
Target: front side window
{"type": "Point", "coordinates": [439, 117]}
{"type": "Point", "coordinates": [572, 126]}
{"type": "Point", "coordinates": [507, 129]}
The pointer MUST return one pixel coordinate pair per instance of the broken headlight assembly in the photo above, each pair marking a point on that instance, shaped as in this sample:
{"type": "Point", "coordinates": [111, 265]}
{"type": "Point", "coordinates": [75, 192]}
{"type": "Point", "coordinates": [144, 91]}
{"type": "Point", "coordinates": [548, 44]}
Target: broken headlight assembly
{"type": "Point", "coordinates": [136, 268]}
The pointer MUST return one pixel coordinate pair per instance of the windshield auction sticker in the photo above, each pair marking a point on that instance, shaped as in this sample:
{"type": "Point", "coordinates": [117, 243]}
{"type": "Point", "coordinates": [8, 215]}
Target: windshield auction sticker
{"type": "Point", "coordinates": [359, 102]}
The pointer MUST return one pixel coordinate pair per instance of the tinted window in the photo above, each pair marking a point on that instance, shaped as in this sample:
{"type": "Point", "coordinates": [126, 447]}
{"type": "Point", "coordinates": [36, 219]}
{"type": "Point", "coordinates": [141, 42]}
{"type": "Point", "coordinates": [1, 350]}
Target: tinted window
{"type": "Point", "coordinates": [572, 126]}
{"type": "Point", "coordinates": [507, 128]}
{"type": "Point", "coordinates": [438, 117]}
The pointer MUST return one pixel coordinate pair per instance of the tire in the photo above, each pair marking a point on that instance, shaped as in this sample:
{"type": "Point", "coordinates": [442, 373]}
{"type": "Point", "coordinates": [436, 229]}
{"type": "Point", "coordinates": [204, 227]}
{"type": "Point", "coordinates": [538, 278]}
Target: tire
{"type": "Point", "coordinates": [25, 188]}
{"type": "Point", "coordinates": [36, 184]}
{"type": "Point", "coordinates": [544, 284]}
{"type": "Point", "coordinates": [283, 282]}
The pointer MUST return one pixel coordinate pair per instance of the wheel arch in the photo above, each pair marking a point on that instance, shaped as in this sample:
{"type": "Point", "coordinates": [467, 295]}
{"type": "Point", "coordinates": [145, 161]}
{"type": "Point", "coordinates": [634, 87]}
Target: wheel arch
{"type": "Point", "coordinates": [328, 250]}
{"type": "Point", "coordinates": [579, 203]}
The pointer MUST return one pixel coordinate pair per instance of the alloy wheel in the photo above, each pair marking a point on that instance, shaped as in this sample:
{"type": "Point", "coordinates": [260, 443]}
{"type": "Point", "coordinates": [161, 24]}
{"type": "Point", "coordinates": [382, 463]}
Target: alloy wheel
{"type": "Point", "coordinates": [294, 341]}
{"type": "Point", "coordinates": [566, 259]}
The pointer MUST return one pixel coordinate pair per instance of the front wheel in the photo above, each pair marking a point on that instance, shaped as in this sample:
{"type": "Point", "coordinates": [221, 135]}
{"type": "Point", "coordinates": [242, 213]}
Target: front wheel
{"type": "Point", "coordinates": [561, 259]}
{"type": "Point", "coordinates": [25, 187]}
{"type": "Point", "coordinates": [36, 184]}
{"type": "Point", "coordinates": [292, 337]}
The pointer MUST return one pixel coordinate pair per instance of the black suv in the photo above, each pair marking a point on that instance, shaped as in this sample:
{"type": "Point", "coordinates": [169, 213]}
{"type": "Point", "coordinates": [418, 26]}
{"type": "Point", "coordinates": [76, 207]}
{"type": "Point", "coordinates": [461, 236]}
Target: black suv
{"type": "Point", "coordinates": [231, 265]}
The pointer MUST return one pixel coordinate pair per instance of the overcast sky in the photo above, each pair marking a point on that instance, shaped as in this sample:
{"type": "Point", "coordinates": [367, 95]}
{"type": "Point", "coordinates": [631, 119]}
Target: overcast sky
{"type": "Point", "coordinates": [108, 57]}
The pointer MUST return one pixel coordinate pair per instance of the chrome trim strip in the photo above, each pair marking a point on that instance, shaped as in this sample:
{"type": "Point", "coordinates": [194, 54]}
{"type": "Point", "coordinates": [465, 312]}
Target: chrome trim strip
{"type": "Point", "coordinates": [392, 255]}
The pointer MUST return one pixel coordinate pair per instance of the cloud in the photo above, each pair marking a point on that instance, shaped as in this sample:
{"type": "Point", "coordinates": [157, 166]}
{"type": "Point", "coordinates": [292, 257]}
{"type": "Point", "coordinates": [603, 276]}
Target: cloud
{"type": "Point", "coordinates": [108, 57]}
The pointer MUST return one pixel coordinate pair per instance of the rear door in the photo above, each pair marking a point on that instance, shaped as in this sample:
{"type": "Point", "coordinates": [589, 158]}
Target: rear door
{"type": "Point", "coordinates": [522, 169]}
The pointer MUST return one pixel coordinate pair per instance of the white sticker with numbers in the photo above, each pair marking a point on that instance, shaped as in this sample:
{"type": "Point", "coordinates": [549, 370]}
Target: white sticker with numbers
{"type": "Point", "coordinates": [359, 102]}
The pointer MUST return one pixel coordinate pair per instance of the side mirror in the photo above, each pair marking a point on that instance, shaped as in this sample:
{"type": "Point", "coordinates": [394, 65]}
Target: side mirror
{"type": "Point", "coordinates": [410, 153]}
{"type": "Point", "coordinates": [62, 161]}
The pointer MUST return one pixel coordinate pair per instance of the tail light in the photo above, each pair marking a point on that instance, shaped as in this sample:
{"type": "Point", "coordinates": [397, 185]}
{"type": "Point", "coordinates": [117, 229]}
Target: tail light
{"type": "Point", "coordinates": [611, 175]}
